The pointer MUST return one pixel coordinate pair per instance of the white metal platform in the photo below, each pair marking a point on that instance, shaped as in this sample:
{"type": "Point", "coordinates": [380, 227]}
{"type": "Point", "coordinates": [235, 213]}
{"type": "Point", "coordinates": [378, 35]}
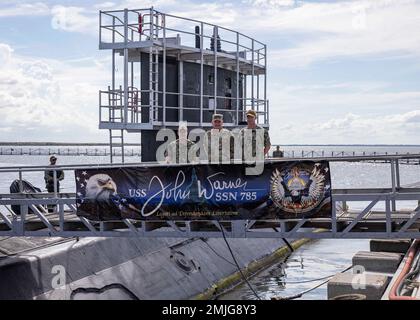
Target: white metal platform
{"type": "Point", "coordinates": [130, 32]}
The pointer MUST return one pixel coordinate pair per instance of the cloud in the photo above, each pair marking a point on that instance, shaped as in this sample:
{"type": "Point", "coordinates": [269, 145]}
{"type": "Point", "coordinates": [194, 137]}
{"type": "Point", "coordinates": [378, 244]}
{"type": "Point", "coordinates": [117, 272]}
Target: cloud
{"type": "Point", "coordinates": [48, 98]}
{"type": "Point", "coordinates": [344, 112]}
{"type": "Point", "coordinates": [335, 99]}
{"type": "Point", "coordinates": [350, 29]}
{"type": "Point", "coordinates": [25, 9]}
{"type": "Point", "coordinates": [298, 33]}
{"type": "Point", "coordinates": [272, 3]}
{"type": "Point", "coordinates": [5, 54]}
{"type": "Point", "coordinates": [105, 5]}
{"type": "Point", "coordinates": [74, 19]}
{"type": "Point", "coordinates": [353, 128]}
{"type": "Point", "coordinates": [384, 126]}
{"type": "Point", "coordinates": [64, 18]}
{"type": "Point", "coordinates": [315, 31]}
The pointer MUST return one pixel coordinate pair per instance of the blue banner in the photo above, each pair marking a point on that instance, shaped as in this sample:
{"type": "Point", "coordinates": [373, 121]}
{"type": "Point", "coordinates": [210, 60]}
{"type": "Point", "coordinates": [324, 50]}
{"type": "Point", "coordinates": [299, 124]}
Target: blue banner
{"type": "Point", "coordinates": [284, 190]}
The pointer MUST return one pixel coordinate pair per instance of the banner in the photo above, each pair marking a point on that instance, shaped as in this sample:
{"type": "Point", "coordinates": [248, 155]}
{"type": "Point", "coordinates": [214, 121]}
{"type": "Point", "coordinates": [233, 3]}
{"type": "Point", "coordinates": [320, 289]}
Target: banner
{"type": "Point", "coordinates": [284, 190]}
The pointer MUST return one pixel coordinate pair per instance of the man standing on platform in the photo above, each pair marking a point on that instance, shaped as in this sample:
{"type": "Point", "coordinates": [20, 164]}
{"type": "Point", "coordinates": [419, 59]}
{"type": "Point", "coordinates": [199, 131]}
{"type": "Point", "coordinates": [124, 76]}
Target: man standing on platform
{"type": "Point", "coordinates": [178, 150]}
{"type": "Point", "coordinates": [49, 180]}
{"type": "Point", "coordinates": [256, 140]}
{"type": "Point", "coordinates": [219, 142]}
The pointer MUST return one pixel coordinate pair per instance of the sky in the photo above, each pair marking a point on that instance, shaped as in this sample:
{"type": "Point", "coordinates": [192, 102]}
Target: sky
{"type": "Point", "coordinates": [339, 72]}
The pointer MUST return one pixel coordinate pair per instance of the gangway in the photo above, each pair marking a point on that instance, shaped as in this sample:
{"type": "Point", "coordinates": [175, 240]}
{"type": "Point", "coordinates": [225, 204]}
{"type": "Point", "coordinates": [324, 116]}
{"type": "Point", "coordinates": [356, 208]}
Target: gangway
{"type": "Point", "coordinates": [393, 222]}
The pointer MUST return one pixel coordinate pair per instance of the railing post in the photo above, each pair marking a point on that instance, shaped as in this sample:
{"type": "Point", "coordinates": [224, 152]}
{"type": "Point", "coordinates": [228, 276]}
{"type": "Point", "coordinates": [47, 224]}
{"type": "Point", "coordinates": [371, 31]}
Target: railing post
{"type": "Point", "coordinates": [19, 221]}
{"type": "Point", "coordinates": [344, 205]}
{"type": "Point", "coordinates": [20, 181]}
{"type": "Point", "coordinates": [151, 24]}
{"type": "Point", "coordinates": [181, 89]}
{"type": "Point", "coordinates": [164, 72]}
{"type": "Point", "coordinates": [215, 35]}
{"type": "Point", "coordinates": [237, 78]}
{"type": "Point", "coordinates": [252, 79]}
{"type": "Point", "coordinates": [333, 218]}
{"type": "Point", "coordinates": [55, 183]}
{"type": "Point", "coordinates": [388, 216]}
{"type": "Point", "coordinates": [266, 113]}
{"type": "Point", "coordinates": [100, 27]}
{"type": "Point", "coordinates": [61, 216]}
{"type": "Point", "coordinates": [125, 66]}
{"type": "Point", "coordinates": [100, 108]}
{"type": "Point", "coordinates": [201, 71]}
{"type": "Point", "coordinates": [393, 184]}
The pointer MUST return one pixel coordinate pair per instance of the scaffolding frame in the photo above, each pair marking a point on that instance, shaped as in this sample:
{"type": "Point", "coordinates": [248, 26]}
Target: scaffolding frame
{"type": "Point", "coordinates": [130, 32]}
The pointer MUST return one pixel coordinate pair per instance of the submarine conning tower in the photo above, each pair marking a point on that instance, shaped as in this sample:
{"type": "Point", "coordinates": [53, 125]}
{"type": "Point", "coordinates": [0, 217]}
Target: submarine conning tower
{"type": "Point", "coordinates": [167, 69]}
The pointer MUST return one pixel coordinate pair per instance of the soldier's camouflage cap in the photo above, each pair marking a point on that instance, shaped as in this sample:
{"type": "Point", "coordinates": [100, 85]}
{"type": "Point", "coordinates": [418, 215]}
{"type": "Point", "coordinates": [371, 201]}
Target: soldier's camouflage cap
{"type": "Point", "coordinates": [251, 113]}
{"type": "Point", "coordinates": [217, 116]}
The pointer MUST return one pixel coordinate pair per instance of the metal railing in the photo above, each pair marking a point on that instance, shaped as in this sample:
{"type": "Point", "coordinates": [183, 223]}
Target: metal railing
{"type": "Point", "coordinates": [111, 112]}
{"type": "Point", "coordinates": [378, 156]}
{"type": "Point", "coordinates": [344, 223]}
{"type": "Point", "coordinates": [125, 27]}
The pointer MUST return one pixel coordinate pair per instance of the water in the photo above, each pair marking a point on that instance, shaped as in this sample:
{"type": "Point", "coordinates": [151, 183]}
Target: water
{"type": "Point", "coordinates": [314, 260]}
{"type": "Point", "coordinates": [37, 178]}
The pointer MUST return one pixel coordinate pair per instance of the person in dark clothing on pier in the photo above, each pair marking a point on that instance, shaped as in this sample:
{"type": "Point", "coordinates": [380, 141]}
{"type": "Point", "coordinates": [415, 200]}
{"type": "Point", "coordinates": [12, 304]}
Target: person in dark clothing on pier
{"type": "Point", "coordinates": [278, 153]}
{"type": "Point", "coordinates": [49, 176]}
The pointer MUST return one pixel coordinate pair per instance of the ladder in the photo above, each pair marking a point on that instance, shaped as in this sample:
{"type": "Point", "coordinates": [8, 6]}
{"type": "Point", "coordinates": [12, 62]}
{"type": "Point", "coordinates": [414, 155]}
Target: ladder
{"type": "Point", "coordinates": [153, 83]}
{"type": "Point", "coordinates": [154, 68]}
{"type": "Point", "coordinates": [115, 103]}
{"type": "Point", "coordinates": [133, 104]}
{"type": "Point", "coordinates": [116, 115]}
{"type": "Point", "coordinates": [116, 142]}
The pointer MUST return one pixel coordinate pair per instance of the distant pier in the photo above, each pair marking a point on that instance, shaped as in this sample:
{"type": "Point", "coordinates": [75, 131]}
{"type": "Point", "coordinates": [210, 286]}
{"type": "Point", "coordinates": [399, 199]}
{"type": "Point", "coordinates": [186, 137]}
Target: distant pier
{"type": "Point", "coordinates": [20, 151]}
{"type": "Point", "coordinates": [339, 153]}
{"type": "Point", "coordinates": [64, 149]}
{"type": "Point", "coordinates": [134, 150]}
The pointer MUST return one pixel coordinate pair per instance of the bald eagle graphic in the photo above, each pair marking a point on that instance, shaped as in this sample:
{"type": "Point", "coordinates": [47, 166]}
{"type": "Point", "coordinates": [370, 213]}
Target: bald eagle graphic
{"type": "Point", "coordinates": [100, 187]}
{"type": "Point", "coordinates": [101, 191]}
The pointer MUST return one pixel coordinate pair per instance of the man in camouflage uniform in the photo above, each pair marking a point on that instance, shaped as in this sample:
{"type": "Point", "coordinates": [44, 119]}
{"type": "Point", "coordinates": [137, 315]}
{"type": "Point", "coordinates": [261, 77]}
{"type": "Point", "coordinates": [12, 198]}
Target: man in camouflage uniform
{"type": "Point", "coordinates": [177, 151]}
{"type": "Point", "coordinates": [220, 154]}
{"type": "Point", "coordinates": [258, 136]}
